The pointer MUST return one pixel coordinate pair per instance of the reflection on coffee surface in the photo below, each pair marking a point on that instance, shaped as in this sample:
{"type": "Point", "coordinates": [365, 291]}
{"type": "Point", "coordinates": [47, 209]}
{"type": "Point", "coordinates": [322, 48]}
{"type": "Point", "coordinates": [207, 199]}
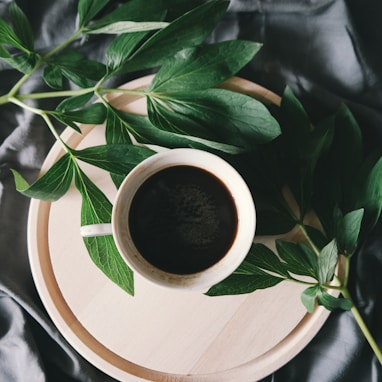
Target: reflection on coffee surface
{"type": "Point", "coordinates": [183, 219]}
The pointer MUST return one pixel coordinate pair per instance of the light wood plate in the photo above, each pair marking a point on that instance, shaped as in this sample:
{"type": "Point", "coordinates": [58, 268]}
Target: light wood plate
{"type": "Point", "coordinates": [158, 335]}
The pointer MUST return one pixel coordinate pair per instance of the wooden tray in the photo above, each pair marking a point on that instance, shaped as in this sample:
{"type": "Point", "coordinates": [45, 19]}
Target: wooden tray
{"type": "Point", "coordinates": [158, 335]}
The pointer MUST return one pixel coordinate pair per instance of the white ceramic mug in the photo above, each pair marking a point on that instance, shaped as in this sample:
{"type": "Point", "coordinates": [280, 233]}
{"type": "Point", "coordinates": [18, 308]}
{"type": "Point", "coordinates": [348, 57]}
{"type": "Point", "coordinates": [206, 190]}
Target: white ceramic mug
{"type": "Point", "coordinates": [221, 171]}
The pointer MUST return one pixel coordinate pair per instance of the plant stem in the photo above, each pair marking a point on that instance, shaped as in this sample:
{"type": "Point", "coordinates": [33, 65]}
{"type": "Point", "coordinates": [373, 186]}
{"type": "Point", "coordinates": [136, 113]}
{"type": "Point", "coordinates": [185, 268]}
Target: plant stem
{"type": "Point", "coordinates": [124, 91]}
{"type": "Point", "coordinates": [346, 270]}
{"type": "Point", "coordinates": [24, 78]}
{"type": "Point", "coordinates": [309, 240]}
{"type": "Point", "coordinates": [41, 60]}
{"type": "Point", "coordinates": [48, 121]}
{"type": "Point", "coordinates": [342, 288]}
{"type": "Point", "coordinates": [55, 94]}
{"type": "Point", "coordinates": [71, 93]}
{"type": "Point", "coordinates": [357, 315]}
{"type": "Point", "coordinates": [63, 45]}
{"type": "Point", "coordinates": [362, 325]}
{"type": "Point", "coordinates": [23, 105]}
{"type": "Point", "coordinates": [44, 115]}
{"type": "Point", "coordinates": [298, 281]}
{"type": "Point", "coordinates": [4, 99]}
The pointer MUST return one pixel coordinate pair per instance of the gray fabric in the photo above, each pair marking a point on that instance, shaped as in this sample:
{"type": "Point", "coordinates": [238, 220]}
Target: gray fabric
{"type": "Point", "coordinates": [328, 52]}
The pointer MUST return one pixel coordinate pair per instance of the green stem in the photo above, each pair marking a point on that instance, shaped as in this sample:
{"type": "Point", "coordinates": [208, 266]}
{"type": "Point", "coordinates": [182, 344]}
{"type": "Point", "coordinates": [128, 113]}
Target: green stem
{"type": "Point", "coordinates": [45, 116]}
{"type": "Point", "coordinates": [23, 105]}
{"type": "Point", "coordinates": [298, 281]}
{"type": "Point", "coordinates": [55, 94]}
{"type": "Point", "coordinates": [40, 61]}
{"type": "Point", "coordinates": [124, 91]}
{"type": "Point", "coordinates": [63, 45]}
{"type": "Point", "coordinates": [308, 283]}
{"type": "Point", "coordinates": [24, 78]}
{"type": "Point", "coordinates": [101, 98]}
{"type": "Point", "coordinates": [48, 121]}
{"type": "Point", "coordinates": [362, 325]}
{"type": "Point", "coordinates": [357, 315]}
{"type": "Point", "coordinates": [308, 239]}
{"type": "Point", "coordinates": [333, 287]}
{"type": "Point", "coordinates": [4, 99]}
{"type": "Point", "coordinates": [342, 288]}
{"type": "Point", "coordinates": [346, 270]}
{"type": "Point", "coordinates": [71, 93]}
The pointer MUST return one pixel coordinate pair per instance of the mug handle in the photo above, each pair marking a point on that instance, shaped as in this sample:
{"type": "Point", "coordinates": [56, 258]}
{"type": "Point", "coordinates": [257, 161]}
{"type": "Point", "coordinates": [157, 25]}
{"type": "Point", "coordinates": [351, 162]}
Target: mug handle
{"type": "Point", "coordinates": [92, 230]}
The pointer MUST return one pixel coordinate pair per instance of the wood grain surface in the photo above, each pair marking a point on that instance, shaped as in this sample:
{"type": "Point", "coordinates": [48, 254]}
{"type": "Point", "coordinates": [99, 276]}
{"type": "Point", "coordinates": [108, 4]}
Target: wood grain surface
{"type": "Point", "coordinates": [159, 334]}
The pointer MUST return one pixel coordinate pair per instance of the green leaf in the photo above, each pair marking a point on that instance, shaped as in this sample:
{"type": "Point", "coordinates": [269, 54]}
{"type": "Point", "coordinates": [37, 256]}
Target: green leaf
{"type": "Point", "coordinates": [320, 140]}
{"type": "Point", "coordinates": [24, 63]}
{"type": "Point", "coordinates": [310, 258]}
{"type": "Point", "coordinates": [348, 229]}
{"type": "Point", "coordinates": [132, 11]}
{"type": "Point", "coordinates": [78, 64]}
{"type": "Point", "coordinates": [66, 121]}
{"type": "Point", "coordinates": [244, 283]}
{"type": "Point", "coordinates": [347, 148]}
{"type": "Point", "coordinates": [145, 132]}
{"type": "Point", "coordinates": [203, 67]}
{"type": "Point", "coordinates": [21, 26]}
{"type": "Point", "coordinates": [93, 114]}
{"type": "Point", "coordinates": [4, 52]}
{"type": "Point", "coordinates": [116, 132]}
{"type": "Point", "coordinates": [302, 147]}
{"type": "Point", "coordinates": [370, 196]}
{"type": "Point", "coordinates": [78, 69]}
{"type": "Point", "coordinates": [249, 277]}
{"type": "Point", "coordinates": [121, 48]}
{"type": "Point", "coordinates": [317, 237]}
{"type": "Point", "coordinates": [263, 257]}
{"type": "Point", "coordinates": [309, 298]}
{"type": "Point", "coordinates": [272, 221]}
{"type": "Point", "coordinates": [87, 9]}
{"type": "Point", "coordinates": [190, 29]}
{"type": "Point", "coordinates": [96, 209]}
{"type": "Point", "coordinates": [310, 148]}
{"type": "Point", "coordinates": [332, 303]}
{"type": "Point", "coordinates": [214, 114]}
{"type": "Point", "coordinates": [105, 255]}
{"type": "Point", "coordinates": [298, 258]}
{"type": "Point", "coordinates": [327, 261]}
{"type": "Point", "coordinates": [336, 172]}
{"type": "Point", "coordinates": [293, 112]}
{"type": "Point", "coordinates": [128, 27]}
{"type": "Point", "coordinates": [50, 186]}
{"type": "Point", "coordinates": [175, 8]}
{"type": "Point", "coordinates": [9, 37]}
{"type": "Point", "coordinates": [315, 293]}
{"type": "Point", "coordinates": [115, 158]}
{"type": "Point", "coordinates": [116, 128]}
{"type": "Point", "coordinates": [53, 77]}
{"type": "Point", "coordinates": [77, 78]}
{"type": "Point", "coordinates": [74, 102]}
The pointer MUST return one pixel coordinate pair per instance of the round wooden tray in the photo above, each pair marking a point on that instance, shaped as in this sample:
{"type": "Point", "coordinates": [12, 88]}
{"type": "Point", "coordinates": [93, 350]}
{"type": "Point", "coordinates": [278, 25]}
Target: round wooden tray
{"type": "Point", "coordinates": [158, 335]}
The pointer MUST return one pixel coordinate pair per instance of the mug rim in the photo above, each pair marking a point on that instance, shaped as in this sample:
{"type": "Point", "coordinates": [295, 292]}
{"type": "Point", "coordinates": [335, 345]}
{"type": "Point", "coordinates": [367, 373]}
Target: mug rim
{"type": "Point", "coordinates": [235, 184]}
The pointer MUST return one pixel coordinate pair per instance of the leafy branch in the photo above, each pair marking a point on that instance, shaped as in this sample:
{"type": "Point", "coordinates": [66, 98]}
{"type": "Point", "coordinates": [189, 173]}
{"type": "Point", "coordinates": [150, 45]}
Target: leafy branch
{"type": "Point", "coordinates": [185, 109]}
{"type": "Point", "coordinates": [293, 169]}
{"type": "Point", "coordinates": [326, 174]}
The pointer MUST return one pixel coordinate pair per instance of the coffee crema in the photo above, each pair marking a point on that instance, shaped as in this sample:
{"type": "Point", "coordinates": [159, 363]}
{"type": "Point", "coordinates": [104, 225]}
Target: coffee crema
{"type": "Point", "coordinates": [183, 219]}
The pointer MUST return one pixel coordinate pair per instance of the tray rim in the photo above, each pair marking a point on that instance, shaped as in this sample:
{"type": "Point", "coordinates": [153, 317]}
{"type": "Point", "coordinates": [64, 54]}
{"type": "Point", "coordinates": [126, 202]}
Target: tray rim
{"type": "Point", "coordinates": [94, 351]}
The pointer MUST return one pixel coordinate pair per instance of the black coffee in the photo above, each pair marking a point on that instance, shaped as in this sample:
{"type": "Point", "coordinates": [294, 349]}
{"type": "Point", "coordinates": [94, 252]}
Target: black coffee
{"type": "Point", "coordinates": [183, 219]}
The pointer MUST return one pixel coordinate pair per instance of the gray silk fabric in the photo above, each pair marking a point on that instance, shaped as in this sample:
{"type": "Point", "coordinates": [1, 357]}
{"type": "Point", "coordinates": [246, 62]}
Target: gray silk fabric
{"type": "Point", "coordinates": [329, 52]}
